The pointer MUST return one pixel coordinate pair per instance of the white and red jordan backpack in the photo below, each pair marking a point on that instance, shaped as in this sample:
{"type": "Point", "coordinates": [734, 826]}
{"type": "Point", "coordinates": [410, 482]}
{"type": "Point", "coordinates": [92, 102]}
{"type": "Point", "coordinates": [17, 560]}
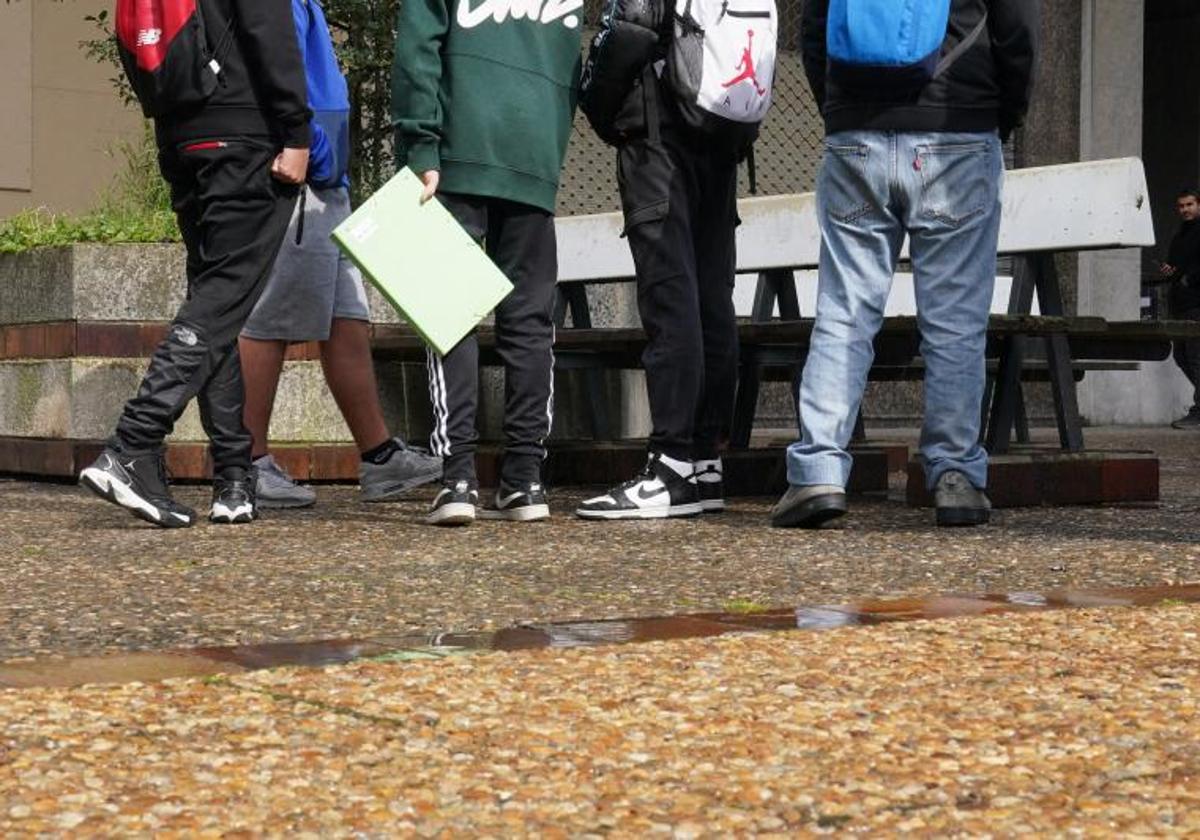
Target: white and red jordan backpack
{"type": "Point", "coordinates": [721, 62]}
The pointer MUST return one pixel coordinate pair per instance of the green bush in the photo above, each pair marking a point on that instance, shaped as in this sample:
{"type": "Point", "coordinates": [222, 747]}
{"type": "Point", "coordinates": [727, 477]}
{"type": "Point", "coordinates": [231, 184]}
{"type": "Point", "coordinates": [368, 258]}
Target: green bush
{"type": "Point", "coordinates": [136, 207]}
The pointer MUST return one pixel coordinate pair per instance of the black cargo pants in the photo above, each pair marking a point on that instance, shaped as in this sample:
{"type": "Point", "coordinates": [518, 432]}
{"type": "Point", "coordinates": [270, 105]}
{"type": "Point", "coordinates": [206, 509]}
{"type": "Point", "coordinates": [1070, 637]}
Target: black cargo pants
{"type": "Point", "coordinates": [679, 196]}
{"type": "Point", "coordinates": [233, 216]}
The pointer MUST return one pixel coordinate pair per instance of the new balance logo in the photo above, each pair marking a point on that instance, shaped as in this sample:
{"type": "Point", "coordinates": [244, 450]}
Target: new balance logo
{"type": "Point", "coordinates": [149, 37]}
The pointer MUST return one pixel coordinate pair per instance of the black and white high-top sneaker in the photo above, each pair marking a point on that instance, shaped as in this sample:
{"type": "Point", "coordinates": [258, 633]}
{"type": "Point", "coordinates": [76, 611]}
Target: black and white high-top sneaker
{"type": "Point", "coordinates": [664, 489]}
{"type": "Point", "coordinates": [710, 482]}
{"type": "Point", "coordinates": [137, 483]}
{"type": "Point", "coordinates": [525, 503]}
{"type": "Point", "coordinates": [233, 500]}
{"type": "Point", "coordinates": [454, 504]}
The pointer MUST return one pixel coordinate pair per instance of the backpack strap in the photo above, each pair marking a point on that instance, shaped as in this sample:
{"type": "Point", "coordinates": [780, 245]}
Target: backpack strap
{"type": "Point", "coordinates": [650, 100]}
{"type": "Point", "coordinates": [962, 46]}
{"type": "Point", "coordinates": [216, 54]}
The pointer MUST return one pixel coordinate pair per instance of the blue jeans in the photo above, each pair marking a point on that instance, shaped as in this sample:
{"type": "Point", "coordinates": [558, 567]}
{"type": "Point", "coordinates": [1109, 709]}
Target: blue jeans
{"type": "Point", "coordinates": [943, 190]}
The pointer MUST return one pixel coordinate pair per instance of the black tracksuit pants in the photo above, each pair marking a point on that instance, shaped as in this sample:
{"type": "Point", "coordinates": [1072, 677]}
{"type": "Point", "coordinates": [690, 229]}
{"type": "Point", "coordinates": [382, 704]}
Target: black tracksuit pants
{"type": "Point", "coordinates": [520, 240]}
{"type": "Point", "coordinates": [679, 196]}
{"type": "Point", "coordinates": [233, 216]}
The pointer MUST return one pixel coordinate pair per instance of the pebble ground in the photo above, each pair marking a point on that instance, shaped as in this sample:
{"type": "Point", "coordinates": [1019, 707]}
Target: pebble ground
{"type": "Point", "coordinates": [1052, 724]}
{"type": "Point", "coordinates": [82, 577]}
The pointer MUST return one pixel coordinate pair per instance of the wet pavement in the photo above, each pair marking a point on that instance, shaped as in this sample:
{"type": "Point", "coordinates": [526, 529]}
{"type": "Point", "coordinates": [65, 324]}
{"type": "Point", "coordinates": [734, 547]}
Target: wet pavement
{"type": "Point", "coordinates": [83, 579]}
{"type": "Point", "coordinates": [206, 662]}
{"type": "Point", "coordinates": [1053, 723]}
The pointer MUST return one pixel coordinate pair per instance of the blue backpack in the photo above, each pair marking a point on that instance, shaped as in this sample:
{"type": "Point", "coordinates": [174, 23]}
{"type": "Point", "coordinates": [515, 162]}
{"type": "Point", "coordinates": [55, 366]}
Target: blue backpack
{"type": "Point", "coordinates": [891, 45]}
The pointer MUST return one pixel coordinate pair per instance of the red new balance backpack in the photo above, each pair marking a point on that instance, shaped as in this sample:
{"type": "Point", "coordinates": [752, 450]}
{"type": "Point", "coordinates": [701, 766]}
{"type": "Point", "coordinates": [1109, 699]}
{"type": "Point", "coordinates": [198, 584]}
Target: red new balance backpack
{"type": "Point", "coordinates": [167, 56]}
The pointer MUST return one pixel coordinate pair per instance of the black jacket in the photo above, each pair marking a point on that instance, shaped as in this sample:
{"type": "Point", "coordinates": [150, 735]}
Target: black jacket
{"type": "Point", "coordinates": [263, 90]}
{"type": "Point", "coordinates": [987, 88]}
{"type": "Point", "coordinates": [1184, 254]}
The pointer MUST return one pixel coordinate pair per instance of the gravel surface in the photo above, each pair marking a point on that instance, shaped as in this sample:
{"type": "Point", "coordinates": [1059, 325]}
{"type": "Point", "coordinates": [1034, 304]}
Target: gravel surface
{"type": "Point", "coordinates": [81, 577]}
{"type": "Point", "coordinates": [1055, 724]}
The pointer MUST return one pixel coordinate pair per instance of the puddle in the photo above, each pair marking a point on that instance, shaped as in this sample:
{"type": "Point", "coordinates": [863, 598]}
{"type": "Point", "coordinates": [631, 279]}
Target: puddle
{"type": "Point", "coordinates": [123, 668]}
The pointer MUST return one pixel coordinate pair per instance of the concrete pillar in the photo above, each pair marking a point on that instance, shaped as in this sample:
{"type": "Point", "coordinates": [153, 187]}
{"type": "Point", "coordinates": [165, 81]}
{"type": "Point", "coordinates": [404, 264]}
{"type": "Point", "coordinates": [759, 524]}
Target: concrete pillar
{"type": "Point", "coordinates": [1110, 125]}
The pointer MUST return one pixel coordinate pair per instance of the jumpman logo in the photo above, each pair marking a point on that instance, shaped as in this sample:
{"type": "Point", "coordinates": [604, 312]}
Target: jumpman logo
{"type": "Point", "coordinates": [747, 67]}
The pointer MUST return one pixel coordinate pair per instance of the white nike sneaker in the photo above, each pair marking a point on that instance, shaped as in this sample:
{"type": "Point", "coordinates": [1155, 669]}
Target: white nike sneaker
{"type": "Point", "coordinates": [658, 493]}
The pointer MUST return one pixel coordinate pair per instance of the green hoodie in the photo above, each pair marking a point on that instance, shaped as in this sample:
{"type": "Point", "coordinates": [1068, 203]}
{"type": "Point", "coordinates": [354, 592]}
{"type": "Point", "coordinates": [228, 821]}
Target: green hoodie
{"type": "Point", "coordinates": [484, 91]}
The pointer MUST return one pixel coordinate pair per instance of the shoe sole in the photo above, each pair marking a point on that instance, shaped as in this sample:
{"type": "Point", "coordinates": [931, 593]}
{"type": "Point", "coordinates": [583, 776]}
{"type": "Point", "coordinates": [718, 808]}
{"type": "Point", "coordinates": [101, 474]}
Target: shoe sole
{"type": "Point", "coordinates": [962, 517]}
{"type": "Point", "coordinates": [221, 515]}
{"type": "Point", "coordinates": [122, 495]}
{"type": "Point", "coordinates": [713, 506]}
{"type": "Point", "coordinates": [528, 513]}
{"type": "Point", "coordinates": [676, 512]}
{"type": "Point", "coordinates": [454, 513]}
{"type": "Point", "coordinates": [396, 491]}
{"type": "Point", "coordinates": [813, 513]}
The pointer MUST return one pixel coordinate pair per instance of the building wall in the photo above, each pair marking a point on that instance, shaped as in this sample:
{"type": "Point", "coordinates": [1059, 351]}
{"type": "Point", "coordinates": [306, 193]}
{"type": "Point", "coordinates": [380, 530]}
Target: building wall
{"type": "Point", "coordinates": [61, 120]}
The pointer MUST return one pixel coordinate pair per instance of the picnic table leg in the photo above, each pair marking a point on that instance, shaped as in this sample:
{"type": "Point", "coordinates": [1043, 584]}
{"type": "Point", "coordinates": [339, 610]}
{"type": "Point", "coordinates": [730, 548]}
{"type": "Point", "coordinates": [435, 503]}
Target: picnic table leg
{"type": "Point", "coordinates": [1058, 358]}
{"type": "Point", "coordinates": [776, 285]}
{"type": "Point", "coordinates": [572, 297]}
{"type": "Point", "coordinates": [1006, 390]}
{"type": "Point", "coordinates": [1022, 417]}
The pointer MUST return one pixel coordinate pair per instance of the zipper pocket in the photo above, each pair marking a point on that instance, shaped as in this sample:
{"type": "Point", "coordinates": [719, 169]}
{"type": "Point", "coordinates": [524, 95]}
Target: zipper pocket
{"type": "Point", "coordinates": [206, 146]}
{"type": "Point", "coordinates": [733, 13]}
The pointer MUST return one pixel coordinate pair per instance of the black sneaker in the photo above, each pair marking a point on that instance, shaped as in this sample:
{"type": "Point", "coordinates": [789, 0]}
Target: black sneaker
{"type": "Point", "coordinates": [455, 504]}
{"type": "Point", "coordinates": [710, 482]}
{"type": "Point", "coordinates": [233, 500]}
{"type": "Point", "coordinates": [137, 483]}
{"type": "Point", "coordinates": [658, 493]}
{"type": "Point", "coordinates": [524, 503]}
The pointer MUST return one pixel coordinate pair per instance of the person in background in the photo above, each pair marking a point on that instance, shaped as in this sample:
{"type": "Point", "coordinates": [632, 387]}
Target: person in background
{"type": "Point", "coordinates": [316, 294]}
{"type": "Point", "coordinates": [1182, 272]}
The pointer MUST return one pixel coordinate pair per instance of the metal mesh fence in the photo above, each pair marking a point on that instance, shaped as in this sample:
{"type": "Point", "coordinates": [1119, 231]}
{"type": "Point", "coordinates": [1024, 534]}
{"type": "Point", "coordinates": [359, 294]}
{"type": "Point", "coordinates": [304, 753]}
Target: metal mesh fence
{"type": "Point", "coordinates": [787, 153]}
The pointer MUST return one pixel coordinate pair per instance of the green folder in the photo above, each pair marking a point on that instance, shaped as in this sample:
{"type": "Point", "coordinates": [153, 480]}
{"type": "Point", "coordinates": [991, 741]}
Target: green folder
{"type": "Point", "coordinates": [423, 262]}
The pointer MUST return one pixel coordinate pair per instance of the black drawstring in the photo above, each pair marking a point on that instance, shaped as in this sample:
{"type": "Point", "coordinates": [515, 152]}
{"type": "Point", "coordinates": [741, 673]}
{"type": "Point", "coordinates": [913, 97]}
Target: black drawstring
{"type": "Point", "coordinates": [300, 221]}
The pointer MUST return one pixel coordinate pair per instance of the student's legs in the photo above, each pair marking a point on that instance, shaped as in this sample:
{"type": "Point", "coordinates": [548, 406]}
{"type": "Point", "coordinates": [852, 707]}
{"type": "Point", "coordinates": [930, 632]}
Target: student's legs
{"type": "Point", "coordinates": [350, 374]}
{"type": "Point", "coordinates": [953, 218]}
{"type": "Point", "coordinates": [716, 262]}
{"type": "Point", "coordinates": [659, 191]}
{"type": "Point", "coordinates": [262, 365]}
{"type": "Point", "coordinates": [454, 378]}
{"type": "Point", "coordinates": [234, 215]}
{"type": "Point", "coordinates": [522, 243]}
{"type": "Point", "coordinates": [860, 243]}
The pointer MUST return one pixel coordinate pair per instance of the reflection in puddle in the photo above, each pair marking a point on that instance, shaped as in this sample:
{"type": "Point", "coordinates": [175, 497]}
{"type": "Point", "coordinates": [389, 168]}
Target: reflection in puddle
{"type": "Point", "coordinates": [567, 634]}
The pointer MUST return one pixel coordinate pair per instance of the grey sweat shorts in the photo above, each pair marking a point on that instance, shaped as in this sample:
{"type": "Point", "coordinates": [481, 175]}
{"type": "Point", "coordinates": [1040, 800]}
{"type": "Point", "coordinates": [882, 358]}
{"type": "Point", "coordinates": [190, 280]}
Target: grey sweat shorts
{"type": "Point", "coordinates": [313, 282]}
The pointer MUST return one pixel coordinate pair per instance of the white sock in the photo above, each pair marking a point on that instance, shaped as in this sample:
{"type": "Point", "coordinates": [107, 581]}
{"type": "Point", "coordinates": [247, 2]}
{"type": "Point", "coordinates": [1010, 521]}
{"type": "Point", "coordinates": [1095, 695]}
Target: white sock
{"type": "Point", "coordinates": [681, 468]}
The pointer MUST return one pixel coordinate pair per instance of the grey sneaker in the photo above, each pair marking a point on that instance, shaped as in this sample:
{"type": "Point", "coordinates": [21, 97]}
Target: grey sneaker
{"type": "Point", "coordinates": [405, 470]}
{"type": "Point", "coordinates": [959, 503]}
{"type": "Point", "coordinates": [1191, 420]}
{"type": "Point", "coordinates": [809, 506]}
{"type": "Point", "coordinates": [277, 490]}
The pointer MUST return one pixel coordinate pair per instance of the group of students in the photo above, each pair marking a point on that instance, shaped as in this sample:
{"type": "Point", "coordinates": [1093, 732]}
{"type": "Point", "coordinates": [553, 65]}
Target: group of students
{"type": "Point", "coordinates": [483, 100]}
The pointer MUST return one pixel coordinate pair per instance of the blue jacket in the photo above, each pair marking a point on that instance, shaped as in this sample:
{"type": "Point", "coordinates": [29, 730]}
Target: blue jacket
{"type": "Point", "coordinates": [328, 96]}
